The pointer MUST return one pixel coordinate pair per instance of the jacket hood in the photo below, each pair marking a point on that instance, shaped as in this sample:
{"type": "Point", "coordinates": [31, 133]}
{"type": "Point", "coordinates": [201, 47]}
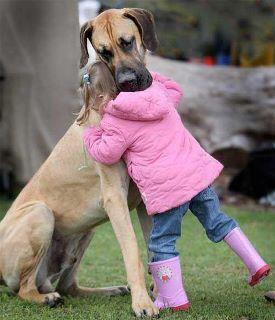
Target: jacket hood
{"type": "Point", "coordinates": [148, 105]}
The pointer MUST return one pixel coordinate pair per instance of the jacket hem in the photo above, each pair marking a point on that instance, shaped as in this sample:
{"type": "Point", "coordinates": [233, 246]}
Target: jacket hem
{"type": "Point", "coordinates": [216, 172]}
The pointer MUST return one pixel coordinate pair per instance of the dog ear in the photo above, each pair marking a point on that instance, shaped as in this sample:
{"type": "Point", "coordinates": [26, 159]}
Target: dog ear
{"type": "Point", "coordinates": [144, 20]}
{"type": "Point", "coordinates": [85, 111]}
{"type": "Point", "coordinates": [85, 34]}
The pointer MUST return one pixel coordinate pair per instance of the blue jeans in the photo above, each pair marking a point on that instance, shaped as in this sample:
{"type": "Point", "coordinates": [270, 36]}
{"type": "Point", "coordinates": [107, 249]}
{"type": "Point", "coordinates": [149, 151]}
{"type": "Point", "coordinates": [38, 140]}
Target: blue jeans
{"type": "Point", "coordinates": [166, 228]}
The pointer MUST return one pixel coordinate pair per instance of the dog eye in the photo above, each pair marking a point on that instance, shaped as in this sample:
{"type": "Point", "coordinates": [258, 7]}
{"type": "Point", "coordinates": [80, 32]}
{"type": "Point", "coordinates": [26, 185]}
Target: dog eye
{"type": "Point", "coordinates": [106, 54]}
{"type": "Point", "coordinates": [126, 44]}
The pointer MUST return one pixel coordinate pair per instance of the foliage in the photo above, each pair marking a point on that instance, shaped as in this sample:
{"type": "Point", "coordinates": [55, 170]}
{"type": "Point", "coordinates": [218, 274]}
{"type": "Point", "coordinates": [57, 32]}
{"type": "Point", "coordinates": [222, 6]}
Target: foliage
{"type": "Point", "coordinates": [189, 28]}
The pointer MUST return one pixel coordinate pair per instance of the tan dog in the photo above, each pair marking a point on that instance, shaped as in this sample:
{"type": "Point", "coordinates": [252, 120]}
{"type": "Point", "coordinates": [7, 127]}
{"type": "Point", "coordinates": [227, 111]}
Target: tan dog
{"type": "Point", "coordinates": [51, 223]}
{"type": "Point", "coordinates": [120, 39]}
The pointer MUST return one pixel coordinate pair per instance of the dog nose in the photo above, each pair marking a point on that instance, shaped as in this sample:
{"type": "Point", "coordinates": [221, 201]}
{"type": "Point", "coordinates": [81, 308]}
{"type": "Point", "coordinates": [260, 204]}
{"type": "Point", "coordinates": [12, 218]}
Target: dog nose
{"type": "Point", "coordinates": [127, 80]}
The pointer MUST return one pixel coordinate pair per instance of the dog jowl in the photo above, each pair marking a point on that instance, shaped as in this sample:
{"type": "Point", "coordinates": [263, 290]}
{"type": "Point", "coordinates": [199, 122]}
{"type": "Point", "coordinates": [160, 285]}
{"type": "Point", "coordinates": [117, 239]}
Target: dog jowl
{"type": "Point", "coordinates": [120, 39]}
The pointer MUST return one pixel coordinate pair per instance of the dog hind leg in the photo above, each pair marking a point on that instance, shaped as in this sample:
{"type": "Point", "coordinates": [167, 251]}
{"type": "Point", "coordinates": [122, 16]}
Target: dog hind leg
{"type": "Point", "coordinates": [27, 242]}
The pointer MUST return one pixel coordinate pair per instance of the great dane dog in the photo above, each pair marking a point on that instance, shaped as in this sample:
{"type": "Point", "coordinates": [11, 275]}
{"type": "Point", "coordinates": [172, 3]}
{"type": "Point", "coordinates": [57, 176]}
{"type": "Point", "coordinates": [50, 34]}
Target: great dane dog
{"type": "Point", "coordinates": [51, 223]}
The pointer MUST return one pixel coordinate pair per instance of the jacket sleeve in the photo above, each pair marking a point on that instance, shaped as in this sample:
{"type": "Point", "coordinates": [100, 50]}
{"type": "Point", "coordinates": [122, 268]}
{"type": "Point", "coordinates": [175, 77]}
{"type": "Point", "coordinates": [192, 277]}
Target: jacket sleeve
{"type": "Point", "coordinates": [106, 144]}
{"type": "Point", "coordinates": [173, 88]}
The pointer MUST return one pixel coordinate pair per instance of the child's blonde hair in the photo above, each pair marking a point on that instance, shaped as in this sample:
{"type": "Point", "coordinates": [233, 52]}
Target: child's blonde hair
{"type": "Point", "coordinates": [97, 91]}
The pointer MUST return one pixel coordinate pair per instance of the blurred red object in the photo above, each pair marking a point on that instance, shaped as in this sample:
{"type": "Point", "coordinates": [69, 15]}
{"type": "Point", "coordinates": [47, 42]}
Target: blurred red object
{"type": "Point", "coordinates": [209, 60]}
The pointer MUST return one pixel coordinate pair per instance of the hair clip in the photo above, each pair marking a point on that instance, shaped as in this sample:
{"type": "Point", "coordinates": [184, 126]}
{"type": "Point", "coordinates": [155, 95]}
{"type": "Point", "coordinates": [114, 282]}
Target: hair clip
{"type": "Point", "coordinates": [86, 78]}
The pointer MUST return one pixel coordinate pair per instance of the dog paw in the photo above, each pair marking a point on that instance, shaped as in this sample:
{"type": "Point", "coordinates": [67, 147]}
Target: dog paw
{"type": "Point", "coordinates": [124, 290]}
{"type": "Point", "coordinates": [53, 300]}
{"type": "Point", "coordinates": [117, 291]}
{"type": "Point", "coordinates": [145, 308]}
{"type": "Point", "coordinates": [270, 296]}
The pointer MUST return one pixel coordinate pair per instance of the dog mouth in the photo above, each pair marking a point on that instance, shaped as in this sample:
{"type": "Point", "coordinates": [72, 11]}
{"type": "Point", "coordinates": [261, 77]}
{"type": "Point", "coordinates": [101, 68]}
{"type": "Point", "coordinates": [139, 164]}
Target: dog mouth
{"type": "Point", "coordinates": [129, 80]}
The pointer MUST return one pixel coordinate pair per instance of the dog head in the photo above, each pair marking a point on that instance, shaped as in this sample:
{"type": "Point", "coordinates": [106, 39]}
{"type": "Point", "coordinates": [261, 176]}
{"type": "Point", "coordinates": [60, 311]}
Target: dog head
{"type": "Point", "coordinates": [120, 39]}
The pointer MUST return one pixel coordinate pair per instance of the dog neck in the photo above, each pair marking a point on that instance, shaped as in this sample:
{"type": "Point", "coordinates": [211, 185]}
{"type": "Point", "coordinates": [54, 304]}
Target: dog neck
{"type": "Point", "coordinates": [94, 117]}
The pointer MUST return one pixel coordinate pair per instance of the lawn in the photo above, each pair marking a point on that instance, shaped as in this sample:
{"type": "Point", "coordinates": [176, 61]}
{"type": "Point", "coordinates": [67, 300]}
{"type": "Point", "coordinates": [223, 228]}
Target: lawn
{"type": "Point", "coordinates": [215, 278]}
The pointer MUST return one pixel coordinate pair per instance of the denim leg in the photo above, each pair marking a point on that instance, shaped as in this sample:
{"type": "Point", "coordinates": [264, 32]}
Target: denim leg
{"type": "Point", "coordinates": [206, 207]}
{"type": "Point", "coordinates": [166, 229]}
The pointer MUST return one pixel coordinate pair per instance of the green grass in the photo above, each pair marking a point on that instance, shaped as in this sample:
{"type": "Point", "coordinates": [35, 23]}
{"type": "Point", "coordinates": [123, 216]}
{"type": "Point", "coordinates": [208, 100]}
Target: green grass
{"type": "Point", "coordinates": [215, 278]}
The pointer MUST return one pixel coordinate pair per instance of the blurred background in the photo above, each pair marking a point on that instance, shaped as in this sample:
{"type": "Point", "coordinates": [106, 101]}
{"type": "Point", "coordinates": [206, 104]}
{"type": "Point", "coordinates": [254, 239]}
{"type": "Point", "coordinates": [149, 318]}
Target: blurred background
{"type": "Point", "coordinates": [221, 52]}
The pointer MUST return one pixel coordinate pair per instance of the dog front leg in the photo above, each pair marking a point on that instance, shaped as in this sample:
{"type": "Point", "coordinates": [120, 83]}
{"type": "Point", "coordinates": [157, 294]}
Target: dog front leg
{"type": "Point", "coordinates": [115, 204]}
{"type": "Point", "coordinates": [121, 223]}
{"type": "Point", "coordinates": [146, 225]}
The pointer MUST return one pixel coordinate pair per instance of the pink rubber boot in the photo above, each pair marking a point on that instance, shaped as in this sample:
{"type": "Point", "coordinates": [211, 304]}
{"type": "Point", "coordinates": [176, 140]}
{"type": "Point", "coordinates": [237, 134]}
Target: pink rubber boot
{"type": "Point", "coordinates": [168, 279]}
{"type": "Point", "coordinates": [256, 266]}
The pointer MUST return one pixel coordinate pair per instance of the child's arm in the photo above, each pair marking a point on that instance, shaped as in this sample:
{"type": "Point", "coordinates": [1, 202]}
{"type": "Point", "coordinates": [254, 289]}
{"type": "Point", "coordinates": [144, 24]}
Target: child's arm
{"type": "Point", "coordinates": [105, 144]}
{"type": "Point", "coordinates": [173, 88]}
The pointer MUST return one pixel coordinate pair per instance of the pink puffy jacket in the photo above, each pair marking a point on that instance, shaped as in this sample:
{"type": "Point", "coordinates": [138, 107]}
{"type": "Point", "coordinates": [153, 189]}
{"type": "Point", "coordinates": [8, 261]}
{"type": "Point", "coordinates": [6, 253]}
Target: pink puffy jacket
{"type": "Point", "coordinates": [163, 158]}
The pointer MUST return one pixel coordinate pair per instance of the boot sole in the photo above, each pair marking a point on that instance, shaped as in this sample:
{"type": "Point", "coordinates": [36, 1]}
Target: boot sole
{"type": "Point", "coordinates": [260, 275]}
{"type": "Point", "coordinates": [183, 307]}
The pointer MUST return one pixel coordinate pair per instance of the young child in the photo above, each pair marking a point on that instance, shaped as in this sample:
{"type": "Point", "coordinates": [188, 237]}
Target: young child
{"type": "Point", "coordinates": [173, 174]}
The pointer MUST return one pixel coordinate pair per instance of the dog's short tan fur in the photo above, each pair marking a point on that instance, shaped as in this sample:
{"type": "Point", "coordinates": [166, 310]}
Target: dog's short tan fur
{"type": "Point", "coordinates": [47, 229]}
